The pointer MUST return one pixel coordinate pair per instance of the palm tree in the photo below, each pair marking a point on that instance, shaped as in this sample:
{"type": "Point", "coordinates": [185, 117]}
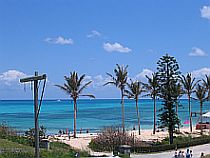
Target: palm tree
{"type": "Point", "coordinates": [188, 82]}
{"type": "Point", "coordinates": [207, 85]}
{"type": "Point", "coordinates": [178, 92]}
{"type": "Point", "coordinates": [153, 88]}
{"type": "Point", "coordinates": [201, 96]}
{"type": "Point", "coordinates": [120, 80]}
{"type": "Point", "coordinates": [134, 90]}
{"type": "Point", "coordinates": [74, 88]}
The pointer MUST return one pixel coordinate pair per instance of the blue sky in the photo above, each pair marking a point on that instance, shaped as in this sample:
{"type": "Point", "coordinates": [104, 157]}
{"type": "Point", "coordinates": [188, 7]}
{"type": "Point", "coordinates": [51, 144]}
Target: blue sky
{"type": "Point", "coordinates": [91, 36]}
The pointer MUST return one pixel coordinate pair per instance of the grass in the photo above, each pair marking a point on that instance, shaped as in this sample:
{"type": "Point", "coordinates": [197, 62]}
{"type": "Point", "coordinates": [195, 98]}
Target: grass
{"type": "Point", "coordinates": [14, 146]}
{"type": "Point", "coordinates": [17, 150]}
{"type": "Point", "coordinates": [6, 144]}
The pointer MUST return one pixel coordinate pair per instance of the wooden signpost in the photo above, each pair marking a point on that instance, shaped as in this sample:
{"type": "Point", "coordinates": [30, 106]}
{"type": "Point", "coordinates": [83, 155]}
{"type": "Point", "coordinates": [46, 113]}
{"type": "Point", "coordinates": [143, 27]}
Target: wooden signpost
{"type": "Point", "coordinates": [35, 79]}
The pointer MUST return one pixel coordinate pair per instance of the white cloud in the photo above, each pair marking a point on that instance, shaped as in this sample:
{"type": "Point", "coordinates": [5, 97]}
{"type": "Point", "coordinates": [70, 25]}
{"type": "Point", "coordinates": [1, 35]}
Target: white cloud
{"type": "Point", "coordinates": [197, 52]}
{"type": "Point", "coordinates": [11, 76]}
{"type": "Point", "coordinates": [142, 75]}
{"type": "Point", "coordinates": [200, 73]}
{"type": "Point", "coordinates": [94, 33]}
{"type": "Point", "coordinates": [205, 12]}
{"type": "Point", "coordinates": [116, 47]}
{"type": "Point", "coordinates": [87, 78]}
{"type": "Point", "coordinates": [99, 80]}
{"type": "Point", "coordinates": [60, 40]}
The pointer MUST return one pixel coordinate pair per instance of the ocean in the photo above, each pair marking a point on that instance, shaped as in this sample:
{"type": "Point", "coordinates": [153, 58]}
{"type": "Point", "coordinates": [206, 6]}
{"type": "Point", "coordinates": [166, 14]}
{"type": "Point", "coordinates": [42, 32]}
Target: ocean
{"type": "Point", "coordinates": [93, 114]}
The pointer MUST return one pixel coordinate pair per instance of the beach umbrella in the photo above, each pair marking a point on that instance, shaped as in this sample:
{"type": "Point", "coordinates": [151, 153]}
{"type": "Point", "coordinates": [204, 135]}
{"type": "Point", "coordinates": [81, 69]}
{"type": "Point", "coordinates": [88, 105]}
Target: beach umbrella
{"type": "Point", "coordinates": [186, 122]}
{"type": "Point", "coordinates": [206, 114]}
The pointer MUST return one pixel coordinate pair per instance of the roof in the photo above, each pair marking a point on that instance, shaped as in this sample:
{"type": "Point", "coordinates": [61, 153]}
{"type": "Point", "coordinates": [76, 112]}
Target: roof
{"type": "Point", "coordinates": [206, 114]}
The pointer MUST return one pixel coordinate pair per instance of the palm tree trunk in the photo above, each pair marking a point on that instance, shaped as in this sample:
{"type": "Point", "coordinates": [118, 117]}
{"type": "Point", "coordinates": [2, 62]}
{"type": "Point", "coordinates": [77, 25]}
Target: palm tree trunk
{"type": "Point", "coordinates": [171, 138]}
{"type": "Point", "coordinates": [123, 115]}
{"type": "Point", "coordinates": [75, 117]}
{"type": "Point", "coordinates": [190, 113]}
{"type": "Point", "coordinates": [138, 115]}
{"type": "Point", "coordinates": [177, 113]}
{"type": "Point", "coordinates": [201, 113]}
{"type": "Point", "coordinates": [154, 128]}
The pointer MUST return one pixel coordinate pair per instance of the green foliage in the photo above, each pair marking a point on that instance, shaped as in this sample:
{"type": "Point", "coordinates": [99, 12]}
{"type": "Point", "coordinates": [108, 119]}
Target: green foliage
{"type": "Point", "coordinates": [7, 144]}
{"type": "Point", "coordinates": [14, 146]}
{"type": "Point", "coordinates": [188, 82]}
{"type": "Point", "coordinates": [31, 132]}
{"type": "Point", "coordinates": [105, 143]}
{"type": "Point", "coordinates": [181, 142]}
{"type": "Point", "coordinates": [10, 134]}
{"type": "Point", "coordinates": [16, 155]}
{"type": "Point", "coordinates": [57, 150]}
{"type": "Point", "coordinates": [59, 145]}
{"type": "Point", "coordinates": [120, 78]}
{"type": "Point", "coordinates": [120, 81]}
{"type": "Point", "coordinates": [206, 83]}
{"type": "Point", "coordinates": [135, 89]}
{"type": "Point", "coordinates": [152, 86]}
{"type": "Point", "coordinates": [20, 140]}
{"type": "Point", "coordinates": [200, 93]}
{"type": "Point", "coordinates": [168, 76]}
{"type": "Point", "coordinates": [207, 156]}
{"type": "Point", "coordinates": [74, 87]}
{"type": "Point", "coordinates": [5, 130]}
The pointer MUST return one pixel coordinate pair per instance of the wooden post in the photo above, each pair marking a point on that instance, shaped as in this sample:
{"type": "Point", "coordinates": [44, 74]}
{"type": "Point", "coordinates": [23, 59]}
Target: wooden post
{"type": "Point", "coordinates": [35, 79]}
{"type": "Point", "coordinates": [36, 123]}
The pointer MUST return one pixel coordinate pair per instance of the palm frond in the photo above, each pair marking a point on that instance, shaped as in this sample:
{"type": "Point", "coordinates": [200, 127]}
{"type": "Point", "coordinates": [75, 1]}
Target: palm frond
{"type": "Point", "coordinates": [83, 87]}
{"type": "Point", "coordinates": [87, 95]}
{"type": "Point", "coordinates": [65, 89]}
{"type": "Point", "coordinates": [110, 82]}
{"type": "Point", "coordinates": [128, 94]}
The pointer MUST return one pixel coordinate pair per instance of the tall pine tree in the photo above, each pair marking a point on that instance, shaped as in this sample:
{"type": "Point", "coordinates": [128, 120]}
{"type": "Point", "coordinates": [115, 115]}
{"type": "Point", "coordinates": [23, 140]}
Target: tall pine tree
{"type": "Point", "coordinates": [168, 76]}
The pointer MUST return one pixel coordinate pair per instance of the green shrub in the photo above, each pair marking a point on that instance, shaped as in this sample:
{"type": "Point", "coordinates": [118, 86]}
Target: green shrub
{"type": "Point", "coordinates": [16, 155]}
{"type": "Point", "coordinates": [179, 144]}
{"type": "Point", "coordinates": [108, 142]}
{"type": "Point", "coordinates": [5, 130]}
{"type": "Point", "coordinates": [207, 156]}
{"type": "Point", "coordinates": [111, 138]}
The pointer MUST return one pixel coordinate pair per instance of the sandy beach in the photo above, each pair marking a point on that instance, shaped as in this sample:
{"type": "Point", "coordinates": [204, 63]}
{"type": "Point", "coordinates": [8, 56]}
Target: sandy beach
{"type": "Point", "coordinates": [82, 140]}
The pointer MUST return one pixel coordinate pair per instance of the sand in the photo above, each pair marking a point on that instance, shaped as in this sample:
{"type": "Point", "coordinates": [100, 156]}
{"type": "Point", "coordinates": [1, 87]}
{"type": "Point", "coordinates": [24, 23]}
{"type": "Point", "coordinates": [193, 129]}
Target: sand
{"type": "Point", "coordinates": [82, 140]}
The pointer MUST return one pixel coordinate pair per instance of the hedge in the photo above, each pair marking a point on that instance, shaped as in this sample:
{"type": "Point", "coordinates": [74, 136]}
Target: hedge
{"type": "Point", "coordinates": [159, 148]}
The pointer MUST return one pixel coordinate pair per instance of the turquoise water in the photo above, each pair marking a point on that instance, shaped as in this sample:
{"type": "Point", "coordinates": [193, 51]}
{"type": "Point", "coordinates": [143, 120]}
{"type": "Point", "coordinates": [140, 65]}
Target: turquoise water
{"type": "Point", "coordinates": [92, 114]}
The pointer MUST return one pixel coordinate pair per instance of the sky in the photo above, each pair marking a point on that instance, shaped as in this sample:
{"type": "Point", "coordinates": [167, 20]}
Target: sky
{"type": "Point", "coordinates": [92, 36]}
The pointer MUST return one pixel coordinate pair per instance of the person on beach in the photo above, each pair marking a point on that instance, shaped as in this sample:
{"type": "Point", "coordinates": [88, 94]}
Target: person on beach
{"type": "Point", "coordinates": [60, 132]}
{"type": "Point", "coordinates": [188, 153]}
{"type": "Point", "coordinates": [176, 154]}
{"type": "Point", "coordinates": [179, 154]}
{"type": "Point", "coordinates": [182, 155]}
{"type": "Point", "coordinates": [202, 155]}
{"type": "Point", "coordinates": [87, 131]}
{"type": "Point", "coordinates": [191, 153]}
